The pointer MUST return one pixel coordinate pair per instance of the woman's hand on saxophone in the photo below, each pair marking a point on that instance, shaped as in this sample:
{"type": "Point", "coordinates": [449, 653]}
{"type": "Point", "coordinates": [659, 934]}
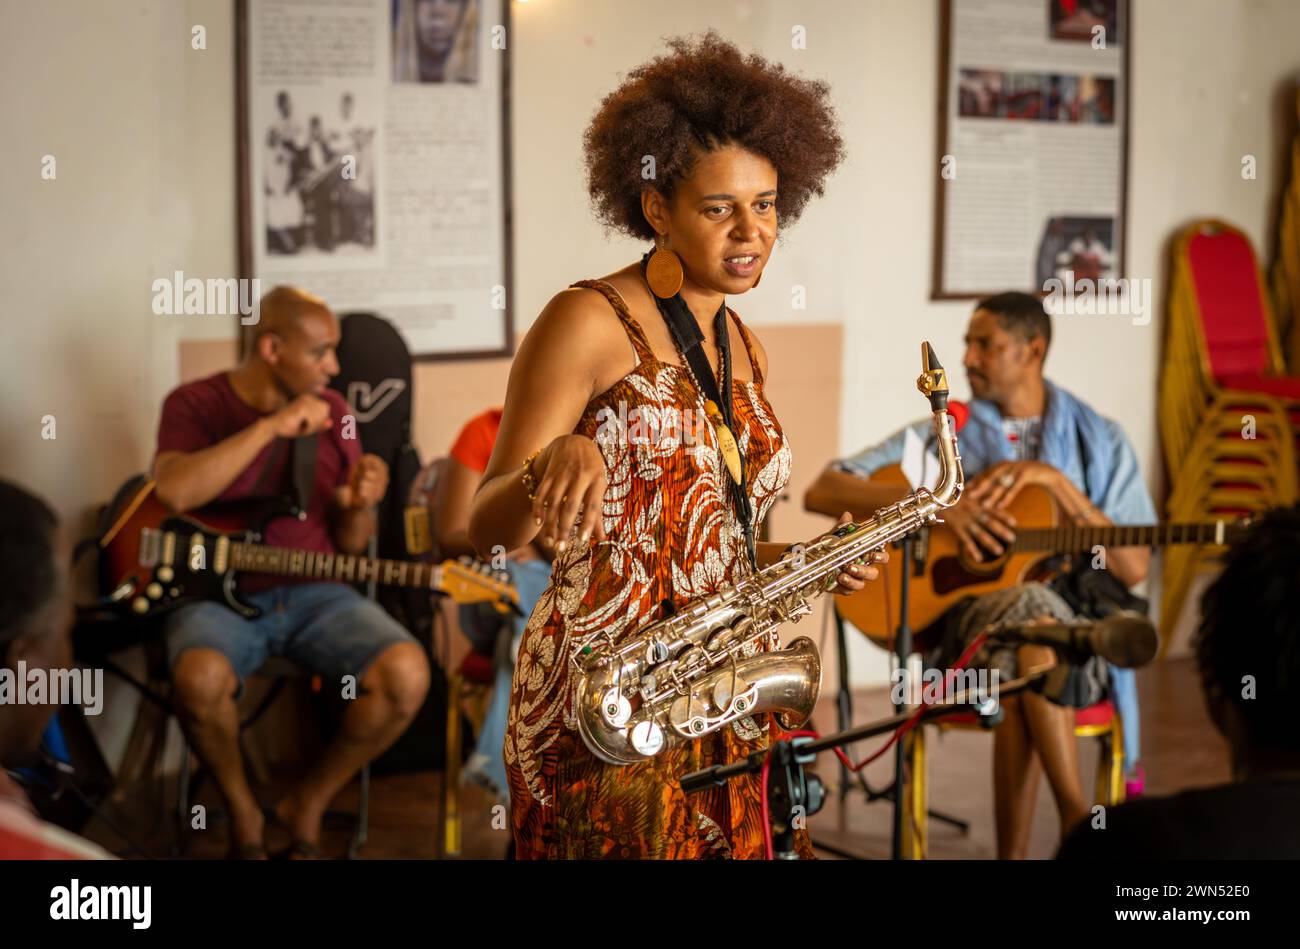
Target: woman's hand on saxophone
{"type": "Point", "coordinates": [571, 480]}
{"type": "Point", "coordinates": [856, 576]}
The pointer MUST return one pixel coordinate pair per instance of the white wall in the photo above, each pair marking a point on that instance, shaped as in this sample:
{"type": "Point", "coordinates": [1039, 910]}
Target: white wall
{"type": "Point", "coordinates": [141, 126]}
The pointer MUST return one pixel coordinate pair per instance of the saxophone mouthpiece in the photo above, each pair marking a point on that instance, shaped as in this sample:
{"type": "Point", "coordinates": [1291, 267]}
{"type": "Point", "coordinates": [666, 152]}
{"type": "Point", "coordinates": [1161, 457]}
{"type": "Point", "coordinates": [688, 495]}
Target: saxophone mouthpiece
{"type": "Point", "coordinates": [933, 382]}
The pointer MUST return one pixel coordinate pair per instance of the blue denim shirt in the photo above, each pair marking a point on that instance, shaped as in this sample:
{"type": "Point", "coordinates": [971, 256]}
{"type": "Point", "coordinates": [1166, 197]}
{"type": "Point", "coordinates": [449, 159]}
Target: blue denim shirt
{"type": "Point", "coordinates": [1092, 451]}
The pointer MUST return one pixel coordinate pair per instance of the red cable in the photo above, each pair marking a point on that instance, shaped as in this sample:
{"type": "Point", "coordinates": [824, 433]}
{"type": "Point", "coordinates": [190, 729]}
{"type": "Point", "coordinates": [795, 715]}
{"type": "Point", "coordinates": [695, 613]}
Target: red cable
{"type": "Point", "coordinates": [915, 717]}
{"type": "Point", "coordinates": [839, 752]}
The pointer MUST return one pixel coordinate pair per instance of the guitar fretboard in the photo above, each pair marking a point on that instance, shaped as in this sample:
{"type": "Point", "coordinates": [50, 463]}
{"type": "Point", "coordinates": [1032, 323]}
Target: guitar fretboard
{"type": "Point", "coordinates": [353, 568]}
{"type": "Point", "coordinates": [1072, 538]}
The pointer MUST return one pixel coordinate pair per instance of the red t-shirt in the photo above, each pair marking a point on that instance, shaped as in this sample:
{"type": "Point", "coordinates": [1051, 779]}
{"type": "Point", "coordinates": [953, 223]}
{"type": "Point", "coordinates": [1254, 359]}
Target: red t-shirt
{"type": "Point", "coordinates": [473, 447]}
{"type": "Point", "coordinates": [204, 412]}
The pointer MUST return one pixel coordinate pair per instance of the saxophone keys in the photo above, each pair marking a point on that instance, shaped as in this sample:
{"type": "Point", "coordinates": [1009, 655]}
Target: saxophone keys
{"type": "Point", "coordinates": [647, 738]}
{"type": "Point", "coordinates": [615, 708]}
{"type": "Point", "coordinates": [685, 719]}
{"type": "Point", "coordinates": [723, 692]}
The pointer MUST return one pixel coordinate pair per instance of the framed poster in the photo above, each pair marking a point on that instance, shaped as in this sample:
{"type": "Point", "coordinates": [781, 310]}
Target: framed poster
{"type": "Point", "coordinates": [374, 162]}
{"type": "Point", "coordinates": [1033, 145]}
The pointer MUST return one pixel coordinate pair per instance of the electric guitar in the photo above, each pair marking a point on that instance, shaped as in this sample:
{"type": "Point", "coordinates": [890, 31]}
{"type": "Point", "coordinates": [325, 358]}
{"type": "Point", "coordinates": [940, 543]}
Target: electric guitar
{"type": "Point", "coordinates": [154, 561]}
{"type": "Point", "coordinates": [943, 573]}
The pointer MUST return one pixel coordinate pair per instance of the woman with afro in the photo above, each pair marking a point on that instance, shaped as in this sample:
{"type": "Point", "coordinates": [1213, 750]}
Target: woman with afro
{"type": "Point", "coordinates": [612, 451]}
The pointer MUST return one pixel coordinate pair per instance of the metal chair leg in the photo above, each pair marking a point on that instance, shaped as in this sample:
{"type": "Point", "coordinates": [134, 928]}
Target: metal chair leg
{"type": "Point", "coordinates": [1116, 761]}
{"type": "Point", "coordinates": [916, 839]}
{"type": "Point", "coordinates": [363, 815]}
{"type": "Point", "coordinates": [451, 772]}
{"type": "Point", "coordinates": [182, 801]}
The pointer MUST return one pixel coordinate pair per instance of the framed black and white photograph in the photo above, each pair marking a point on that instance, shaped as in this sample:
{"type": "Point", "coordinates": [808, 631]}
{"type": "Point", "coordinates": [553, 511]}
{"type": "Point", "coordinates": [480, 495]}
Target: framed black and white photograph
{"type": "Point", "coordinates": [318, 178]}
{"type": "Point", "coordinates": [374, 168]}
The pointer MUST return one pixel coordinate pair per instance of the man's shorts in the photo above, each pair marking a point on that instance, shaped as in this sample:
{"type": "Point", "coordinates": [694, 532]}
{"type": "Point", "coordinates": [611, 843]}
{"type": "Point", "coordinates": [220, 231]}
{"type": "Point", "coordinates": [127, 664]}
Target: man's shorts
{"type": "Point", "coordinates": [327, 628]}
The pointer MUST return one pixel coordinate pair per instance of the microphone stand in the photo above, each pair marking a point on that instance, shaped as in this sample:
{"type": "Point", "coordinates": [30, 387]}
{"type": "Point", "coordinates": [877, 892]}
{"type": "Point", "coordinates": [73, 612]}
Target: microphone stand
{"type": "Point", "coordinates": [844, 714]}
{"type": "Point", "coordinates": [792, 794]}
{"type": "Point", "coordinates": [903, 652]}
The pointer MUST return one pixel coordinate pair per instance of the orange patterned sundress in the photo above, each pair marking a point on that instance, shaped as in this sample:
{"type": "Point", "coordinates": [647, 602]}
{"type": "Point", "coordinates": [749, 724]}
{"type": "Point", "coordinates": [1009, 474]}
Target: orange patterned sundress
{"type": "Point", "coordinates": [671, 534]}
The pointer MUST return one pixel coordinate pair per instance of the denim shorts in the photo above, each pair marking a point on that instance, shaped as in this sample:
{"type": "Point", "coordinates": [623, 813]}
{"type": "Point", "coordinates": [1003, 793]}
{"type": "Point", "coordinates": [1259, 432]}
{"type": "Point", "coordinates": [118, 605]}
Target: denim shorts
{"type": "Point", "coordinates": [326, 628]}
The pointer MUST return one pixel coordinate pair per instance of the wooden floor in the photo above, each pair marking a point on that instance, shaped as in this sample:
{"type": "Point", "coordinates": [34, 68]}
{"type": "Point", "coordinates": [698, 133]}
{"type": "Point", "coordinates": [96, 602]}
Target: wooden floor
{"type": "Point", "coordinates": [1180, 750]}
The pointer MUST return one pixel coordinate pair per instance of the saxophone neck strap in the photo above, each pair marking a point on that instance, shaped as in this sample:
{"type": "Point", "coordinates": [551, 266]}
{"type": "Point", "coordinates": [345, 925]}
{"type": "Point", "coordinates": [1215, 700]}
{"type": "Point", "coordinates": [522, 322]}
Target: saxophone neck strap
{"type": "Point", "coordinates": [685, 330]}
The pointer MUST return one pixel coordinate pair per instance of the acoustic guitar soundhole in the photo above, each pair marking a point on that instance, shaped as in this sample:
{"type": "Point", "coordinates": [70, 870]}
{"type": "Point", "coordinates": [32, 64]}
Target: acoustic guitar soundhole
{"type": "Point", "coordinates": [949, 574]}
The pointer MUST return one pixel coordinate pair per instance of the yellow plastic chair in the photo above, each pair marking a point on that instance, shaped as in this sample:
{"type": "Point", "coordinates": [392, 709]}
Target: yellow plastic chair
{"type": "Point", "coordinates": [1100, 721]}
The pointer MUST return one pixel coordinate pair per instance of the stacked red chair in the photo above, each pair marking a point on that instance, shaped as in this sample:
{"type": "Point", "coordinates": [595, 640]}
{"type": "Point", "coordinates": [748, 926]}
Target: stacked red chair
{"type": "Point", "coordinates": [1229, 413]}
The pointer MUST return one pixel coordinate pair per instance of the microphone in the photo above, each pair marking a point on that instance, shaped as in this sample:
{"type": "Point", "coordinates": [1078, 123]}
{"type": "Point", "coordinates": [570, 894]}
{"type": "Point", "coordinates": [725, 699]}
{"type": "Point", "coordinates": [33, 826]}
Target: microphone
{"type": "Point", "coordinates": [1124, 639]}
{"type": "Point", "coordinates": [958, 412]}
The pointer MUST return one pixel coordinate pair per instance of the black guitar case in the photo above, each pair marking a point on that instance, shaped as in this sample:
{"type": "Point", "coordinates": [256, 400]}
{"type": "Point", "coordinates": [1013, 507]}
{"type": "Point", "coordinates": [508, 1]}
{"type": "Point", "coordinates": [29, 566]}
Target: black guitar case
{"type": "Point", "coordinates": [375, 379]}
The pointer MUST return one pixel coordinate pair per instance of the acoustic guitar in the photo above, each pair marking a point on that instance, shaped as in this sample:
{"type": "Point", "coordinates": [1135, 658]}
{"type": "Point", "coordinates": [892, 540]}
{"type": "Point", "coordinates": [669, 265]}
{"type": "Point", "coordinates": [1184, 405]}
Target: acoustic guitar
{"type": "Point", "coordinates": [943, 573]}
{"type": "Point", "coordinates": [154, 561]}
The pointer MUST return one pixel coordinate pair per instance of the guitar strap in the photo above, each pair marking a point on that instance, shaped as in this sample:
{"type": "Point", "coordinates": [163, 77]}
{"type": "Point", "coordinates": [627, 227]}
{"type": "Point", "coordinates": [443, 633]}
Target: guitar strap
{"type": "Point", "coordinates": [272, 459]}
{"type": "Point", "coordinates": [302, 465]}
{"type": "Point", "coordinates": [1083, 460]}
{"type": "Point", "coordinates": [689, 341]}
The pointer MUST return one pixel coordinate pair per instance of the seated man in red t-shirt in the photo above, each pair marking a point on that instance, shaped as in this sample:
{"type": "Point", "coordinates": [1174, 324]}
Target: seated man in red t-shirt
{"type": "Point", "coordinates": [225, 439]}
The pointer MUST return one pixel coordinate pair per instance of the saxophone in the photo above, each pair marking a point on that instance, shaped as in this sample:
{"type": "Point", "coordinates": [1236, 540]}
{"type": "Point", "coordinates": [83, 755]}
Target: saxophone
{"type": "Point", "coordinates": [681, 678]}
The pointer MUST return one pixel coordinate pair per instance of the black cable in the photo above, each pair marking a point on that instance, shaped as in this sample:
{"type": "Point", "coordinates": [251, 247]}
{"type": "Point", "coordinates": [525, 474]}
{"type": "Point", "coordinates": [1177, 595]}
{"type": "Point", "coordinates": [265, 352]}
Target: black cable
{"type": "Point", "coordinates": [95, 809]}
{"type": "Point", "coordinates": [61, 780]}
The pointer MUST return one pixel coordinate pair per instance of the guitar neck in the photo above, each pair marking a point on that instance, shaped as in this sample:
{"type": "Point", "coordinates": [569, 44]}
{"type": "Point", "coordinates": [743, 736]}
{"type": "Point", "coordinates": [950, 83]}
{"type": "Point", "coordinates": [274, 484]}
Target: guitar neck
{"type": "Point", "coordinates": [1075, 539]}
{"type": "Point", "coordinates": [352, 568]}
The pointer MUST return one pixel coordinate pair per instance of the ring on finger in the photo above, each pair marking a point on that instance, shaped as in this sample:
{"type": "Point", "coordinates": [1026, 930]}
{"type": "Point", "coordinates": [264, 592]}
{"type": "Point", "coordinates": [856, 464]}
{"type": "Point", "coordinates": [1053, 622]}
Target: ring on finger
{"type": "Point", "coordinates": [1007, 480]}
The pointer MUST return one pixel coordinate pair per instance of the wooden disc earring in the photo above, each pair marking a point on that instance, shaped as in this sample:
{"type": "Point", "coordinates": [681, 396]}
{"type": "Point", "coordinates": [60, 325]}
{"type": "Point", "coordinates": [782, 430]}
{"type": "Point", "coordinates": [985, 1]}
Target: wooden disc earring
{"type": "Point", "coordinates": [664, 271]}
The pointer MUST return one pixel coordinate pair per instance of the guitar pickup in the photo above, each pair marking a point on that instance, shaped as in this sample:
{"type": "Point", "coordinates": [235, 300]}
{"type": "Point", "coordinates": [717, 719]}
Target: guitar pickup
{"type": "Point", "coordinates": [150, 544]}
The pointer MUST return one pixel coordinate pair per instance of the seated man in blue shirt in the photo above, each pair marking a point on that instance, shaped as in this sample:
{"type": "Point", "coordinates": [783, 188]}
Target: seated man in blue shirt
{"type": "Point", "coordinates": [1022, 430]}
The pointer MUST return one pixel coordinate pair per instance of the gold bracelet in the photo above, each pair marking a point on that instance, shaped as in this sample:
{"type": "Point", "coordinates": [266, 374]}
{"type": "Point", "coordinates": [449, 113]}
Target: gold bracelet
{"type": "Point", "coordinates": [530, 483]}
